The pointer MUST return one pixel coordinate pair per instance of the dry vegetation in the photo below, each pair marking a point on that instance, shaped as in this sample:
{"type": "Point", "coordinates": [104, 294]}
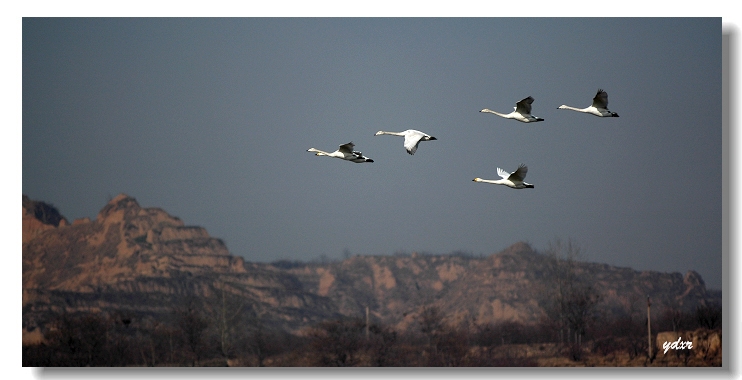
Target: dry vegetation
{"type": "Point", "coordinates": [137, 287]}
{"type": "Point", "coordinates": [236, 337]}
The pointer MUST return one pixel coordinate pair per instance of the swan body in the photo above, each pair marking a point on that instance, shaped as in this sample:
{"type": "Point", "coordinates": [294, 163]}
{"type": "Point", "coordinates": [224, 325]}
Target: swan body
{"type": "Point", "coordinates": [514, 180]}
{"type": "Point", "coordinates": [411, 138]}
{"type": "Point", "coordinates": [598, 108]}
{"type": "Point", "coordinates": [521, 113]}
{"type": "Point", "coordinates": [344, 152]}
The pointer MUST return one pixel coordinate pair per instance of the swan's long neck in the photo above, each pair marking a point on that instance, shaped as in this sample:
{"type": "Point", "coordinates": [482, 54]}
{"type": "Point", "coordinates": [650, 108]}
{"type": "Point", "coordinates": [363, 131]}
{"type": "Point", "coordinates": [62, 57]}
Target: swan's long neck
{"type": "Point", "coordinates": [507, 116]}
{"type": "Point", "coordinates": [504, 182]}
{"type": "Point", "coordinates": [318, 152]}
{"type": "Point", "coordinates": [389, 133]}
{"type": "Point", "coordinates": [495, 181]}
{"type": "Point", "coordinates": [563, 107]}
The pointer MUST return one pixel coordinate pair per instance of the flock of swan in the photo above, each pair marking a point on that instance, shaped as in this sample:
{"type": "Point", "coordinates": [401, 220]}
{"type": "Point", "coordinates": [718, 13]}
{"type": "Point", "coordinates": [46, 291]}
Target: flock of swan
{"type": "Point", "coordinates": [521, 112]}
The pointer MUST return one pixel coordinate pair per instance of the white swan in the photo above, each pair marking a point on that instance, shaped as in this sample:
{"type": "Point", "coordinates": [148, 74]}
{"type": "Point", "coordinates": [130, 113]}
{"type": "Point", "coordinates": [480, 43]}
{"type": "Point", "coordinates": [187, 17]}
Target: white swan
{"type": "Point", "coordinates": [411, 138]}
{"type": "Point", "coordinates": [522, 112]}
{"type": "Point", "coordinates": [344, 152]}
{"type": "Point", "coordinates": [514, 180]}
{"type": "Point", "coordinates": [599, 107]}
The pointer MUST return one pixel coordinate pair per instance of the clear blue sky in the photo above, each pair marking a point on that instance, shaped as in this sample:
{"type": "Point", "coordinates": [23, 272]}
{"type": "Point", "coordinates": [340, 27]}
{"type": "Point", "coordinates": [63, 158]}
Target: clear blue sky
{"type": "Point", "coordinates": [210, 119]}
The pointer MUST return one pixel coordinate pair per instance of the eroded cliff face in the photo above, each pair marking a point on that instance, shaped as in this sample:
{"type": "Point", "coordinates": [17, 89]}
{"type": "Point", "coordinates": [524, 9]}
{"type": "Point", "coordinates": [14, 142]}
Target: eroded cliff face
{"type": "Point", "coordinates": [513, 285]}
{"type": "Point", "coordinates": [124, 243]}
{"type": "Point", "coordinates": [145, 261]}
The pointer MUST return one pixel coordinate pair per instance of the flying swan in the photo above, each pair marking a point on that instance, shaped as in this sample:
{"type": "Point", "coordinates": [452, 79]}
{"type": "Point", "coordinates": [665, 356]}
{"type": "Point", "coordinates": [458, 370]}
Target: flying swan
{"type": "Point", "coordinates": [599, 107]}
{"type": "Point", "coordinates": [411, 138]}
{"type": "Point", "coordinates": [522, 112]}
{"type": "Point", "coordinates": [344, 152]}
{"type": "Point", "coordinates": [514, 180]}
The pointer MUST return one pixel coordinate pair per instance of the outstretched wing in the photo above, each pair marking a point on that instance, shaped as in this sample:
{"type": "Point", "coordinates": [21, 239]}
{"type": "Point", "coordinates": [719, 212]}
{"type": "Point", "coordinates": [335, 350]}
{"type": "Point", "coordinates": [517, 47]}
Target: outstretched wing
{"type": "Point", "coordinates": [347, 148]}
{"type": "Point", "coordinates": [411, 140]}
{"type": "Point", "coordinates": [524, 106]}
{"type": "Point", "coordinates": [503, 173]}
{"type": "Point", "coordinates": [520, 174]}
{"type": "Point", "coordinates": [601, 99]}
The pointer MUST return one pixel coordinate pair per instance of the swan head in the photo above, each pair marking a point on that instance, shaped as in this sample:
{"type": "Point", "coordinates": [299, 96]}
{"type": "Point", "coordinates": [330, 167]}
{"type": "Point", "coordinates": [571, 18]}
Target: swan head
{"type": "Point", "coordinates": [613, 114]}
{"type": "Point", "coordinates": [562, 107]}
{"type": "Point", "coordinates": [379, 133]}
{"type": "Point", "coordinates": [485, 110]}
{"type": "Point", "coordinates": [477, 179]}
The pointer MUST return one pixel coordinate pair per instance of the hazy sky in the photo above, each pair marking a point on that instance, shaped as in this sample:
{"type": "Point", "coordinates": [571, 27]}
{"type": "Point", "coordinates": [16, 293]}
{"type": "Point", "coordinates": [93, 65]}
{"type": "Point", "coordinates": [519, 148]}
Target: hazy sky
{"type": "Point", "coordinates": [210, 119]}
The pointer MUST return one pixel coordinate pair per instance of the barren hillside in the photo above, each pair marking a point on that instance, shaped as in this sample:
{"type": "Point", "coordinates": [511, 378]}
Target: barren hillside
{"type": "Point", "coordinates": [145, 262]}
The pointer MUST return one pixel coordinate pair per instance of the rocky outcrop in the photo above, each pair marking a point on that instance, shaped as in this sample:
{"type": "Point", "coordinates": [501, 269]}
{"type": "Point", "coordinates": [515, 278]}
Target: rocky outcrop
{"type": "Point", "coordinates": [39, 217]}
{"type": "Point", "coordinates": [513, 285]}
{"type": "Point", "coordinates": [126, 242]}
{"type": "Point", "coordinates": [145, 261]}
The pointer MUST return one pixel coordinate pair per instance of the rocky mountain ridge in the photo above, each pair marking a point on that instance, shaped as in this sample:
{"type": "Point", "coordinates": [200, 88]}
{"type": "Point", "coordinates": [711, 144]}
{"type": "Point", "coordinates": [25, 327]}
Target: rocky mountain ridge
{"type": "Point", "coordinates": [143, 261]}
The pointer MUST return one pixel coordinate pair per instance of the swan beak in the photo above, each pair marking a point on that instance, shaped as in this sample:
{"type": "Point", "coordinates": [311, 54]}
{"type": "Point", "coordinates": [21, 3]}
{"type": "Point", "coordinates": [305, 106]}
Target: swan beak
{"type": "Point", "coordinates": [369, 160]}
{"type": "Point", "coordinates": [433, 138]}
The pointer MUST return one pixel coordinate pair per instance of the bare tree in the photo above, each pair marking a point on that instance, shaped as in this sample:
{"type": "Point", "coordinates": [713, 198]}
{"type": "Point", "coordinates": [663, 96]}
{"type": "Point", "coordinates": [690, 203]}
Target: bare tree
{"type": "Point", "coordinates": [431, 324]}
{"type": "Point", "coordinates": [672, 318]}
{"type": "Point", "coordinates": [85, 339]}
{"type": "Point", "coordinates": [708, 316]}
{"type": "Point", "coordinates": [262, 341]}
{"type": "Point", "coordinates": [227, 314]}
{"type": "Point", "coordinates": [192, 325]}
{"type": "Point", "coordinates": [572, 299]}
{"type": "Point", "coordinates": [383, 347]}
{"type": "Point", "coordinates": [337, 343]}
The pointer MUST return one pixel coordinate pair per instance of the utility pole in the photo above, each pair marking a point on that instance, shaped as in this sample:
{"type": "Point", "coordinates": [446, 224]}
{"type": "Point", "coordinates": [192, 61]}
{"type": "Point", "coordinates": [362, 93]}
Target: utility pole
{"type": "Point", "coordinates": [366, 322]}
{"type": "Point", "coordinates": [649, 327]}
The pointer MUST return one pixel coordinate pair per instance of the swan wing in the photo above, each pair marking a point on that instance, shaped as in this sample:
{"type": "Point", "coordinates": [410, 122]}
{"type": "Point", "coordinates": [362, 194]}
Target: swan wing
{"type": "Point", "coordinates": [347, 148]}
{"type": "Point", "coordinates": [601, 99]}
{"type": "Point", "coordinates": [411, 140]}
{"type": "Point", "coordinates": [524, 106]}
{"type": "Point", "coordinates": [503, 173]}
{"type": "Point", "coordinates": [520, 174]}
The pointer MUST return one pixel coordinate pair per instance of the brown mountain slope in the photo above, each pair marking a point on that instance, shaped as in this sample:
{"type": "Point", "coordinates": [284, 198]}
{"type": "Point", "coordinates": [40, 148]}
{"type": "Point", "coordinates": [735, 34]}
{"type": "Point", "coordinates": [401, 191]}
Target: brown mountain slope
{"type": "Point", "coordinates": [145, 262]}
{"type": "Point", "coordinates": [512, 285]}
